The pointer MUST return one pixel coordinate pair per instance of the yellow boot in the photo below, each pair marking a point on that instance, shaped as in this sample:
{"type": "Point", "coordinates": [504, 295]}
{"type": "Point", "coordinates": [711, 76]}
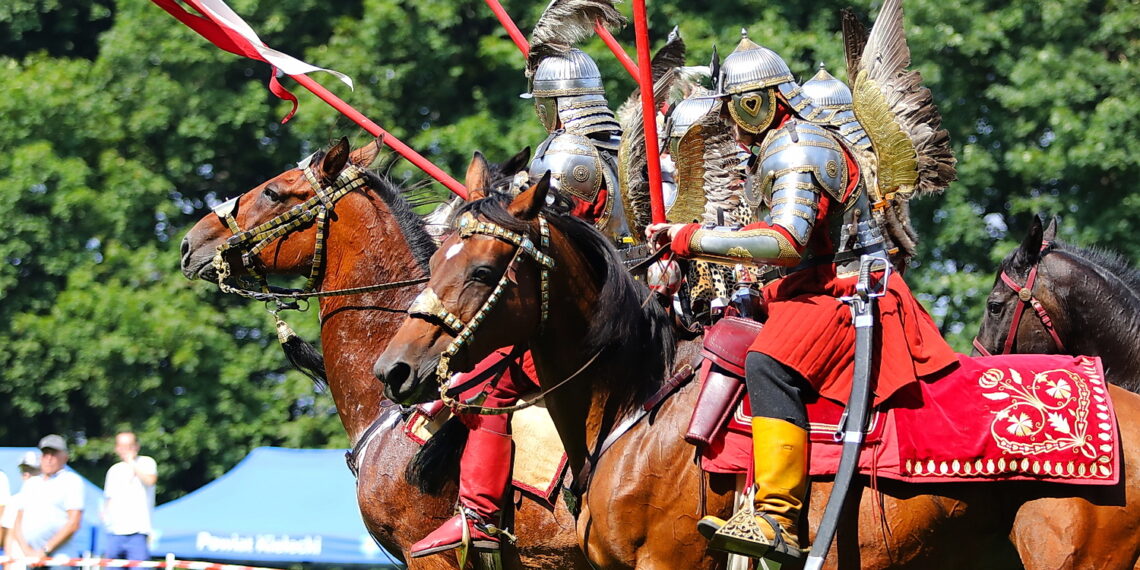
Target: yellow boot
{"type": "Point", "coordinates": [781, 454]}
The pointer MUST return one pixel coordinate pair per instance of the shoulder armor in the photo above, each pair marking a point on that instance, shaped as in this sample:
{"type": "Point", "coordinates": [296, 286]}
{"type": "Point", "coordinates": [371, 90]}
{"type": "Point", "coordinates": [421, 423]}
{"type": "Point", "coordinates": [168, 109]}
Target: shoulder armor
{"type": "Point", "coordinates": [800, 147]}
{"type": "Point", "coordinates": [574, 163]}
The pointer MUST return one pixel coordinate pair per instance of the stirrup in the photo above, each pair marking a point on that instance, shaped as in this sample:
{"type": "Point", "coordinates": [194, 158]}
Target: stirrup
{"type": "Point", "coordinates": [743, 535]}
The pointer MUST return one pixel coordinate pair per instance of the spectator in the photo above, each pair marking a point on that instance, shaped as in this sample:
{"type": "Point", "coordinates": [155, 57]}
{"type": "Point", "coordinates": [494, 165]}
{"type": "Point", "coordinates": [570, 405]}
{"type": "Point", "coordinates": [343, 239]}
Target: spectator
{"type": "Point", "coordinates": [5, 503]}
{"type": "Point", "coordinates": [128, 500]}
{"type": "Point", "coordinates": [51, 505]}
{"type": "Point", "coordinates": [29, 467]}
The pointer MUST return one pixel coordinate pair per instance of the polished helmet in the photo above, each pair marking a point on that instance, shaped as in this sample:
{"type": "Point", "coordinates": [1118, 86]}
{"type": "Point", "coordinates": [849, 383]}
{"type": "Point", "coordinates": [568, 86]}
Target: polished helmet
{"type": "Point", "coordinates": [560, 75]}
{"type": "Point", "coordinates": [750, 77]}
{"type": "Point", "coordinates": [828, 92]}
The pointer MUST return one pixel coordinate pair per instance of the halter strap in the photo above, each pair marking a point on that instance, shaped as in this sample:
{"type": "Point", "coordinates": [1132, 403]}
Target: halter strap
{"type": "Point", "coordinates": [1026, 298]}
{"type": "Point", "coordinates": [428, 304]}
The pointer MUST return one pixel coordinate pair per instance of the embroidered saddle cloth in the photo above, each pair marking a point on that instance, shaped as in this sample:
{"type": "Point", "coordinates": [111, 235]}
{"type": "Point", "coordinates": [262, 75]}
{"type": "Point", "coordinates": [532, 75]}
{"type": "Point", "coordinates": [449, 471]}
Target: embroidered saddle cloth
{"type": "Point", "coordinates": [996, 418]}
{"type": "Point", "coordinates": [539, 458]}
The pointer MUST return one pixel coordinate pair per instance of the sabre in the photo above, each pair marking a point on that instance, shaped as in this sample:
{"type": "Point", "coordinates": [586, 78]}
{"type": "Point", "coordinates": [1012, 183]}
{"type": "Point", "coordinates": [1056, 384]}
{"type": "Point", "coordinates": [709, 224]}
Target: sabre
{"type": "Point", "coordinates": [853, 423]}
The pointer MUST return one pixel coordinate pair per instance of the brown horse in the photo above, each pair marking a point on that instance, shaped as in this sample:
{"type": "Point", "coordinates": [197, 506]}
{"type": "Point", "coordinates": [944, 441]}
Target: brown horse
{"type": "Point", "coordinates": [373, 237]}
{"type": "Point", "coordinates": [638, 507]}
{"type": "Point", "coordinates": [1080, 301]}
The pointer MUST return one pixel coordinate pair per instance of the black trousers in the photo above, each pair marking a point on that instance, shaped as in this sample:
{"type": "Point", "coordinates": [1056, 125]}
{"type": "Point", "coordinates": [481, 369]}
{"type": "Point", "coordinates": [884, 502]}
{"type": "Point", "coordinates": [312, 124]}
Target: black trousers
{"type": "Point", "coordinates": [774, 390]}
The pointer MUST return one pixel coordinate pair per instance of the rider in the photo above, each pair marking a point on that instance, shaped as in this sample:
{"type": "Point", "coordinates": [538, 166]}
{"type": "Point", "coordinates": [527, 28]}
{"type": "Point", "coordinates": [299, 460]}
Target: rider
{"type": "Point", "coordinates": [580, 154]}
{"type": "Point", "coordinates": [818, 225]}
{"type": "Point", "coordinates": [584, 135]}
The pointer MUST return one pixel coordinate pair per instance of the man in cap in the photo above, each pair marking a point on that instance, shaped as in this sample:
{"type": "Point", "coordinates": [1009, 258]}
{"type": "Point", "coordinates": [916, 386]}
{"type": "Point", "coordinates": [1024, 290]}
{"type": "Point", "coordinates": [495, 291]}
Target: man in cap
{"type": "Point", "coordinates": [128, 500]}
{"type": "Point", "coordinates": [817, 228]}
{"type": "Point", "coordinates": [51, 504]}
{"type": "Point", "coordinates": [29, 467]}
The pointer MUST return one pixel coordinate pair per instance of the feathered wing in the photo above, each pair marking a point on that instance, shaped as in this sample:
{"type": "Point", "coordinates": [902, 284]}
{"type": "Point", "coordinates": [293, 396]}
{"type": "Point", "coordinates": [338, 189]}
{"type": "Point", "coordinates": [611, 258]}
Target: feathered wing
{"type": "Point", "coordinates": [854, 41]}
{"type": "Point", "coordinates": [898, 113]}
{"type": "Point", "coordinates": [564, 23]}
{"type": "Point", "coordinates": [633, 170]}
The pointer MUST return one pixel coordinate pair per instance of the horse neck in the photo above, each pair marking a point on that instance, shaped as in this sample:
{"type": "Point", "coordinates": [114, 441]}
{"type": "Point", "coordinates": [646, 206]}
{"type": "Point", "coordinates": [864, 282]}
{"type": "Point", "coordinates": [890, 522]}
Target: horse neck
{"type": "Point", "coordinates": [1103, 310]}
{"type": "Point", "coordinates": [581, 409]}
{"type": "Point", "coordinates": [365, 246]}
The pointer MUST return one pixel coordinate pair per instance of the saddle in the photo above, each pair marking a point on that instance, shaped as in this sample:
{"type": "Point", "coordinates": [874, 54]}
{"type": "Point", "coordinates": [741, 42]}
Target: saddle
{"type": "Point", "coordinates": [1013, 417]}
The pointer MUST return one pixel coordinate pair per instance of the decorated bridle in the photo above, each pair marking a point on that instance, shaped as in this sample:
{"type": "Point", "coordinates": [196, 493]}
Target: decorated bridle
{"type": "Point", "coordinates": [1026, 298]}
{"type": "Point", "coordinates": [429, 306]}
{"type": "Point", "coordinates": [255, 239]}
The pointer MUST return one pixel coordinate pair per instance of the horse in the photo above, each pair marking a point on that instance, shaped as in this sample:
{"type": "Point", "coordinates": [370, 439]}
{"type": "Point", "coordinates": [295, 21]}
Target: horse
{"type": "Point", "coordinates": [373, 237]}
{"type": "Point", "coordinates": [1053, 297]}
{"type": "Point", "coordinates": [525, 272]}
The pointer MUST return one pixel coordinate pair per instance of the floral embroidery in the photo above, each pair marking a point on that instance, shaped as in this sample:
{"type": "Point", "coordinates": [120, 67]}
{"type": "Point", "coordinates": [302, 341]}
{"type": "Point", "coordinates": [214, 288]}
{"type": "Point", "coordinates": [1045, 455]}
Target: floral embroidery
{"type": "Point", "coordinates": [1049, 412]}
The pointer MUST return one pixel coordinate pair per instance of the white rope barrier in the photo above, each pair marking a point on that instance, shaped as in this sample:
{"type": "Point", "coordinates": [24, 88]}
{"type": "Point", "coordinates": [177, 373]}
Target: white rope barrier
{"type": "Point", "coordinates": [7, 561]}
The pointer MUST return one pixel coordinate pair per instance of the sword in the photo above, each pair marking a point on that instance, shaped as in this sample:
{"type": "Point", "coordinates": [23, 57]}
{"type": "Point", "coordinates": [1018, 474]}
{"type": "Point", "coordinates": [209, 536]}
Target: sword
{"type": "Point", "coordinates": [853, 423]}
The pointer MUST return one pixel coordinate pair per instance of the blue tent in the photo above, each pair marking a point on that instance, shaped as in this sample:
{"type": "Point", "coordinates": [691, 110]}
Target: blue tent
{"type": "Point", "coordinates": [89, 536]}
{"type": "Point", "coordinates": [277, 505]}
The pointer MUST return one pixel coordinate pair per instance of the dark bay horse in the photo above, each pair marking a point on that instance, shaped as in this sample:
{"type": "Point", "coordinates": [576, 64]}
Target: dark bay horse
{"type": "Point", "coordinates": [1078, 301]}
{"type": "Point", "coordinates": [373, 237]}
{"type": "Point", "coordinates": [602, 349]}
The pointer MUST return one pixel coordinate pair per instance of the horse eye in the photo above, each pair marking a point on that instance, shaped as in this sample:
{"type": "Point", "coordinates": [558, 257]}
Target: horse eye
{"type": "Point", "coordinates": [272, 195]}
{"type": "Point", "coordinates": [994, 308]}
{"type": "Point", "coordinates": [483, 274]}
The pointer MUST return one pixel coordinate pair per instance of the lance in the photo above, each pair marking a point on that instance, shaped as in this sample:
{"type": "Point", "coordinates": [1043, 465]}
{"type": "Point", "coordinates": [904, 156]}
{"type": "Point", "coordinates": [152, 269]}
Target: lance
{"type": "Point", "coordinates": [225, 29]}
{"type": "Point", "coordinates": [648, 112]}
{"type": "Point", "coordinates": [524, 46]}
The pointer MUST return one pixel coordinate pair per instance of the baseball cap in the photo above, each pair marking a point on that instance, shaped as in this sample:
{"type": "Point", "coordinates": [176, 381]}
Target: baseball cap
{"type": "Point", "coordinates": [31, 460]}
{"type": "Point", "coordinates": [53, 441]}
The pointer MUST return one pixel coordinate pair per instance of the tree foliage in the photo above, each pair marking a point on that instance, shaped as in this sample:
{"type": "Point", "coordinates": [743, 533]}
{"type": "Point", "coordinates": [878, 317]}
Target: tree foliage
{"type": "Point", "coordinates": [120, 125]}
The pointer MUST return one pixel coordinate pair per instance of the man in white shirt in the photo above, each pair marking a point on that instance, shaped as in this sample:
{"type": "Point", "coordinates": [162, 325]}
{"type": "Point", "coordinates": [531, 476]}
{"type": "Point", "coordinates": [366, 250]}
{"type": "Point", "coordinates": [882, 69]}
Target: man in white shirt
{"type": "Point", "coordinates": [129, 500]}
{"type": "Point", "coordinates": [29, 467]}
{"type": "Point", "coordinates": [51, 505]}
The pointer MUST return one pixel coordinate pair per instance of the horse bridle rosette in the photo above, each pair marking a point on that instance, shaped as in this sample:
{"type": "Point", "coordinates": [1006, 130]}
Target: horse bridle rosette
{"type": "Point", "coordinates": [1025, 298]}
{"type": "Point", "coordinates": [253, 240]}
{"type": "Point", "coordinates": [429, 305]}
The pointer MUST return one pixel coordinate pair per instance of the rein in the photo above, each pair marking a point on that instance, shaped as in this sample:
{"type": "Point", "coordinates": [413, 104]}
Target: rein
{"type": "Point", "coordinates": [1027, 299]}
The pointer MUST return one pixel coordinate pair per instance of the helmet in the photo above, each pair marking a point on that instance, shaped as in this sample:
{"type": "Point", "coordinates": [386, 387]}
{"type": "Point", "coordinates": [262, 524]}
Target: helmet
{"type": "Point", "coordinates": [750, 67]}
{"type": "Point", "coordinates": [686, 114]}
{"type": "Point", "coordinates": [828, 92]}
{"type": "Point", "coordinates": [571, 73]}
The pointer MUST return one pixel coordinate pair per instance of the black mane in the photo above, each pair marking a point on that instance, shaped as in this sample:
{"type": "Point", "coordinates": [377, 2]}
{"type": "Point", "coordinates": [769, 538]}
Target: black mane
{"type": "Point", "coordinates": [411, 224]}
{"type": "Point", "coordinates": [635, 337]}
{"type": "Point", "coordinates": [1112, 262]}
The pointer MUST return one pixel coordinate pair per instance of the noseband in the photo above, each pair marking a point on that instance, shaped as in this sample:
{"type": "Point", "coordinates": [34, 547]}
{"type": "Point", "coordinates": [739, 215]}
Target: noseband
{"type": "Point", "coordinates": [429, 306]}
{"type": "Point", "coordinates": [253, 240]}
{"type": "Point", "coordinates": [1026, 298]}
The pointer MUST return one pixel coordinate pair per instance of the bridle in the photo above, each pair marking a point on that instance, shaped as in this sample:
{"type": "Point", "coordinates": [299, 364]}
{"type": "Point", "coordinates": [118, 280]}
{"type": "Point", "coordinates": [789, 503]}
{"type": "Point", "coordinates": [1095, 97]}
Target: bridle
{"type": "Point", "coordinates": [429, 306]}
{"type": "Point", "coordinates": [250, 242]}
{"type": "Point", "coordinates": [317, 208]}
{"type": "Point", "coordinates": [1027, 299]}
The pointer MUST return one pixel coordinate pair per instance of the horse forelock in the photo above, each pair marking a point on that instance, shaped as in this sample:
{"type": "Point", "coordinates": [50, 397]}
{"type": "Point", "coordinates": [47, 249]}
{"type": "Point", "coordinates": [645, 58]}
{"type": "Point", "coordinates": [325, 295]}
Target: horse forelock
{"type": "Point", "coordinates": [628, 331]}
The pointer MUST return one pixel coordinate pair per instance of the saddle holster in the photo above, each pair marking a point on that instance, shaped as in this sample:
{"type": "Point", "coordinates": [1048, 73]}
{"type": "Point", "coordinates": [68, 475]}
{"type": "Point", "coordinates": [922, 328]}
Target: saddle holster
{"type": "Point", "coordinates": [722, 376]}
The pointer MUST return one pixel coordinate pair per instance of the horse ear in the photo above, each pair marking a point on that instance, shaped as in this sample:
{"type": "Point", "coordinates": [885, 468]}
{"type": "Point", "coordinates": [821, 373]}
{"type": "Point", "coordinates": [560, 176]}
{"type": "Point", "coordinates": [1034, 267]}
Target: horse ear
{"type": "Point", "coordinates": [529, 203]}
{"type": "Point", "coordinates": [478, 177]}
{"type": "Point", "coordinates": [366, 155]}
{"type": "Point", "coordinates": [1050, 231]}
{"type": "Point", "coordinates": [1031, 245]}
{"type": "Point", "coordinates": [516, 163]}
{"type": "Point", "coordinates": [334, 160]}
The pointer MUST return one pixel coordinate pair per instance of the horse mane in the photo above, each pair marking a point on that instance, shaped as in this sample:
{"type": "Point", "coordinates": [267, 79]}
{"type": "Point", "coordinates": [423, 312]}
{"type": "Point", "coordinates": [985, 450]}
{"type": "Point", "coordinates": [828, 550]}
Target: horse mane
{"type": "Point", "coordinates": [1111, 261]}
{"type": "Point", "coordinates": [633, 337]}
{"type": "Point", "coordinates": [302, 354]}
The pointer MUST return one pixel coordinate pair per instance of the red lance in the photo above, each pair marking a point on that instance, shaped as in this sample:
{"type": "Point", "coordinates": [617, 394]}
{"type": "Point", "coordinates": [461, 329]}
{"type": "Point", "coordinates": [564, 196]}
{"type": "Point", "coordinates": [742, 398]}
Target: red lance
{"type": "Point", "coordinates": [225, 29]}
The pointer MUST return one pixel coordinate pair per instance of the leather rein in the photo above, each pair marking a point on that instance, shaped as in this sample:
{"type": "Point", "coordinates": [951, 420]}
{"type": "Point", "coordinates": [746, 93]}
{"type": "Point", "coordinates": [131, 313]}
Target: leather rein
{"type": "Point", "coordinates": [1026, 298]}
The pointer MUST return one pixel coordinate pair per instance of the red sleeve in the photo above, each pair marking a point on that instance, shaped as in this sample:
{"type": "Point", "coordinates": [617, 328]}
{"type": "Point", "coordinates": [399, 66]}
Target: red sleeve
{"type": "Point", "coordinates": [681, 242]}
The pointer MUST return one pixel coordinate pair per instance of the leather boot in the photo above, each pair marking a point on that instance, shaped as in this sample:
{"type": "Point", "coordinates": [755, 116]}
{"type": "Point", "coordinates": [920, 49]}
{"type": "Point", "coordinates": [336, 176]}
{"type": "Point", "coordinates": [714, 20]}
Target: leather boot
{"type": "Point", "coordinates": [484, 473]}
{"type": "Point", "coordinates": [781, 454]}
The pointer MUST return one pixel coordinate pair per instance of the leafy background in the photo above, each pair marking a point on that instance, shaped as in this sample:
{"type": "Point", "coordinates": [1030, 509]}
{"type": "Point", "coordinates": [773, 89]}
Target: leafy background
{"type": "Point", "coordinates": [118, 126]}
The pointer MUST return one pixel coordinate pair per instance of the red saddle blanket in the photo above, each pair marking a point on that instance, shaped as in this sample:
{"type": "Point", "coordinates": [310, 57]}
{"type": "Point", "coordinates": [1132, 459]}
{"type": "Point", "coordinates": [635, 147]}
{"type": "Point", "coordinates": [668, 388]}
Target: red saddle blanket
{"type": "Point", "coordinates": [996, 418]}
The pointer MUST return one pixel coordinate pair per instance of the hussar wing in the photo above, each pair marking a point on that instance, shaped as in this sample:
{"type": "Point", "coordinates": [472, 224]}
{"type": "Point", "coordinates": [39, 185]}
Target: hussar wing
{"type": "Point", "coordinates": [898, 113]}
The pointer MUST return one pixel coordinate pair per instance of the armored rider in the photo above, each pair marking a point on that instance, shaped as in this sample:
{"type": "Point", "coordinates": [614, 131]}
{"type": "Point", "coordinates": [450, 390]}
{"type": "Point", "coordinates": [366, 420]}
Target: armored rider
{"type": "Point", "coordinates": [580, 154]}
{"type": "Point", "coordinates": [818, 224]}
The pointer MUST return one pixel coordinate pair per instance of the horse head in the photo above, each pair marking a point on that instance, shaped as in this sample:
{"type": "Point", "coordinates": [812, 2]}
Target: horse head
{"type": "Point", "coordinates": [486, 275]}
{"type": "Point", "coordinates": [1025, 281]}
{"type": "Point", "coordinates": [290, 198]}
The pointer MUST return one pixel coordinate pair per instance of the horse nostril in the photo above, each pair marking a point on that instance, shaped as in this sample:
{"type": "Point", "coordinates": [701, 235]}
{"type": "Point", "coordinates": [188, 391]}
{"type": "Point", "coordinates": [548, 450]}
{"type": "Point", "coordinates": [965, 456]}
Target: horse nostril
{"type": "Point", "coordinates": [185, 249]}
{"type": "Point", "coordinates": [394, 375]}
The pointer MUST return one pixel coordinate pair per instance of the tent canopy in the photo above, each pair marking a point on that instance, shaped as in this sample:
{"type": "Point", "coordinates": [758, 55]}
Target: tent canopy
{"type": "Point", "coordinates": [294, 505]}
{"type": "Point", "coordinates": [88, 538]}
